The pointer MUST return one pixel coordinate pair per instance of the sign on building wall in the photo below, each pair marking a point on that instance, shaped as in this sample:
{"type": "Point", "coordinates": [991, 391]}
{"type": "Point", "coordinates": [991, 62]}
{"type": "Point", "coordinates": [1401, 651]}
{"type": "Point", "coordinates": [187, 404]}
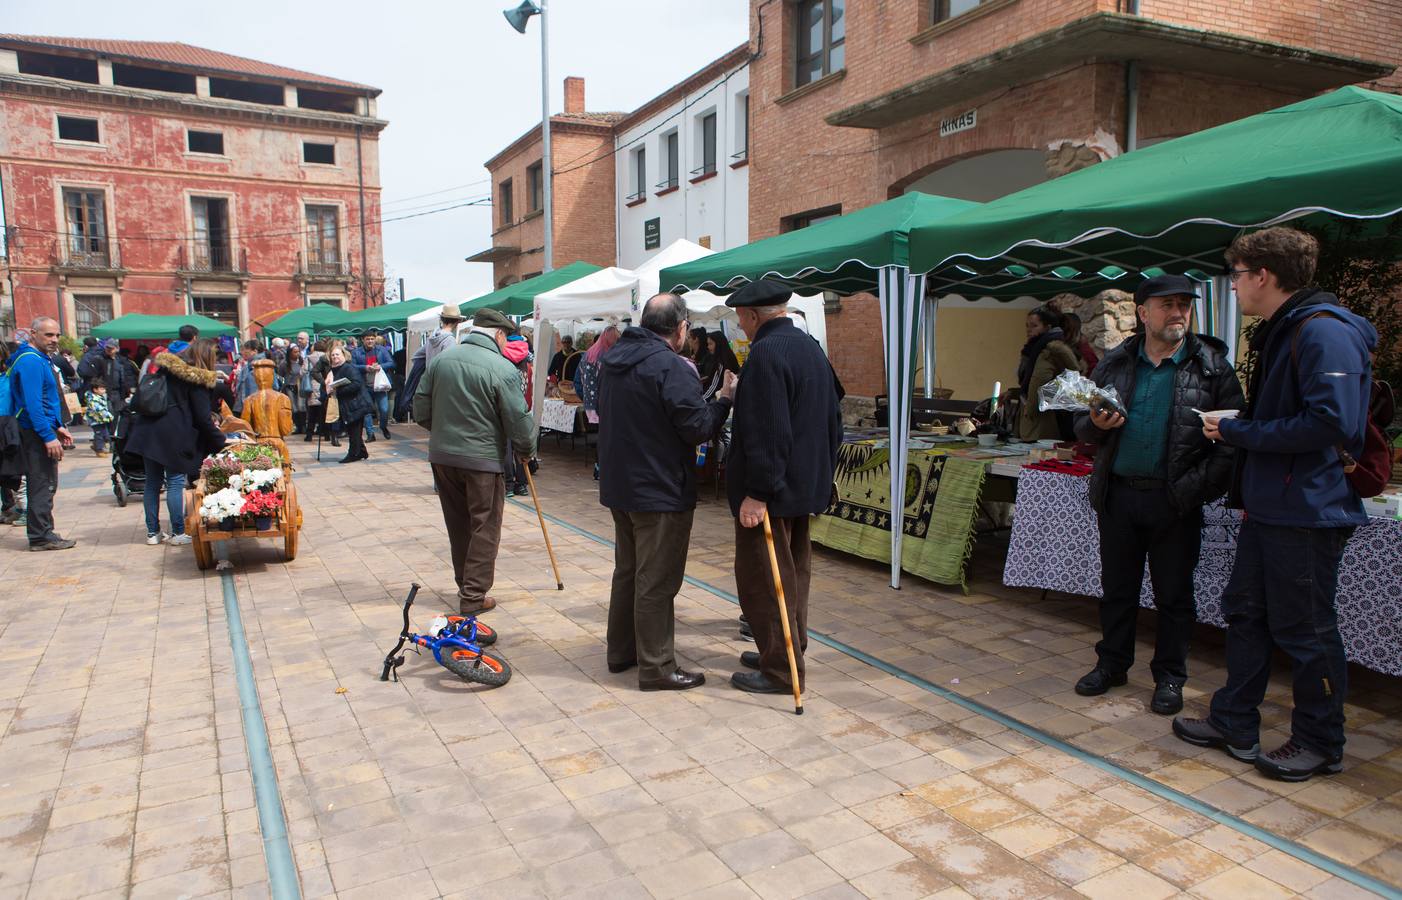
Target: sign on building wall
{"type": "Point", "coordinates": [962, 122]}
{"type": "Point", "coordinates": [652, 234]}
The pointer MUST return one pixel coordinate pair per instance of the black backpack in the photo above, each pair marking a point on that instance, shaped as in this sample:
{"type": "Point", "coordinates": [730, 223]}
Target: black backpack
{"type": "Point", "coordinates": [152, 395]}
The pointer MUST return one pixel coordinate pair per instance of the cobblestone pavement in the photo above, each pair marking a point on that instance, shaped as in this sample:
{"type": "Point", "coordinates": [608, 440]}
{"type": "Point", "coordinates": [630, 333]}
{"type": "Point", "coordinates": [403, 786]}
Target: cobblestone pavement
{"type": "Point", "coordinates": [123, 768]}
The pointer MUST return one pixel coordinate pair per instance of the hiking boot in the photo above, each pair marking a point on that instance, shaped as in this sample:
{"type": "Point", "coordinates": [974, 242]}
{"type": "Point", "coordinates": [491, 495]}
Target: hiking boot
{"type": "Point", "coordinates": [1098, 680]}
{"type": "Point", "coordinates": [1294, 762]}
{"type": "Point", "coordinates": [55, 544]}
{"type": "Point", "coordinates": [1202, 733]}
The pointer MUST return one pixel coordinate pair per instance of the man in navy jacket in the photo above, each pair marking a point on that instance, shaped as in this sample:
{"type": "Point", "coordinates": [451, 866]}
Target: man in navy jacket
{"type": "Point", "coordinates": [368, 358]}
{"type": "Point", "coordinates": [651, 417]}
{"type": "Point", "coordinates": [40, 413]}
{"type": "Point", "coordinates": [783, 454]}
{"type": "Point", "coordinates": [1308, 402]}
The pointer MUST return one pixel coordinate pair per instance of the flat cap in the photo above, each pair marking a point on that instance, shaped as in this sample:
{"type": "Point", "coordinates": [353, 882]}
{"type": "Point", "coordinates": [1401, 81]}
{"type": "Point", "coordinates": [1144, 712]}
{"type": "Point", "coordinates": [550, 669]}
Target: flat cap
{"type": "Point", "coordinates": [765, 292]}
{"type": "Point", "coordinates": [1164, 286]}
{"type": "Point", "coordinates": [491, 318]}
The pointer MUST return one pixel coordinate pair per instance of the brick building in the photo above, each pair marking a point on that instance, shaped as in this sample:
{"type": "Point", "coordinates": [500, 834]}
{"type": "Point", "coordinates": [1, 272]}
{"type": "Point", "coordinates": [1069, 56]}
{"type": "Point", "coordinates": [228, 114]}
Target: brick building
{"type": "Point", "coordinates": [163, 178]}
{"type": "Point", "coordinates": [581, 145]}
{"type": "Point", "coordinates": [853, 103]}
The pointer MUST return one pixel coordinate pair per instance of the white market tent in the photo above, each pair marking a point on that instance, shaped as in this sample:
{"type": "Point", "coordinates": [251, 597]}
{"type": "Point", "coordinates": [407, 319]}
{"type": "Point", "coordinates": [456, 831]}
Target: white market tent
{"type": "Point", "coordinates": [612, 294]}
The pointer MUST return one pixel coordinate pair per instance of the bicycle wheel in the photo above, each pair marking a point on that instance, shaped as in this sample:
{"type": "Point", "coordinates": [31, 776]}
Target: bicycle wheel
{"type": "Point", "coordinates": [483, 669]}
{"type": "Point", "coordinates": [486, 636]}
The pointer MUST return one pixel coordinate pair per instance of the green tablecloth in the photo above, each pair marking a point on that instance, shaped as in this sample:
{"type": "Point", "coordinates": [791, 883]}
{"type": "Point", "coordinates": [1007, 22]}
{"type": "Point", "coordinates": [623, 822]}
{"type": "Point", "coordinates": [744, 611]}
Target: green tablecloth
{"type": "Point", "coordinates": [938, 510]}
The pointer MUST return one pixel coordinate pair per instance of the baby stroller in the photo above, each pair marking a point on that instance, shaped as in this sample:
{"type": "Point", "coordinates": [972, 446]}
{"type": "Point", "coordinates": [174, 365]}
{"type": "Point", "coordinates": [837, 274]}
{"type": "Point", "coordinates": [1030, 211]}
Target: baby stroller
{"type": "Point", "coordinates": [128, 469]}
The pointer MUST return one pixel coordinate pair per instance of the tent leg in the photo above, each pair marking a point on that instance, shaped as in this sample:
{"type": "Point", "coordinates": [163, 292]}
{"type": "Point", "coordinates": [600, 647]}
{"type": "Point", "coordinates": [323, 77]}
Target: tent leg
{"type": "Point", "coordinates": [901, 296]}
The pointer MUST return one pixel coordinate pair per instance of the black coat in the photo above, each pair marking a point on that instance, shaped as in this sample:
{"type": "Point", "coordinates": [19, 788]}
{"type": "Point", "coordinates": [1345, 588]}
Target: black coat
{"type": "Point", "coordinates": [1199, 471]}
{"type": "Point", "coordinates": [788, 425]}
{"type": "Point", "coordinates": [354, 398]}
{"type": "Point", "coordinates": [185, 435]}
{"type": "Point", "coordinates": [651, 417]}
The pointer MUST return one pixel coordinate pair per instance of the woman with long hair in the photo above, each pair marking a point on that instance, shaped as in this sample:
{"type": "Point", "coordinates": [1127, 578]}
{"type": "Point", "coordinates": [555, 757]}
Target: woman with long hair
{"type": "Point", "coordinates": [291, 368]}
{"type": "Point", "coordinates": [590, 369]}
{"type": "Point", "coordinates": [721, 360]}
{"type": "Point", "coordinates": [175, 443]}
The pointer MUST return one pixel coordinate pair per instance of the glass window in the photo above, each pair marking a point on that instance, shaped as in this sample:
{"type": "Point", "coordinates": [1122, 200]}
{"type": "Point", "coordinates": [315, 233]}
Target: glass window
{"type": "Point", "coordinates": [91, 311]}
{"type": "Point", "coordinates": [204, 142]}
{"type": "Point", "coordinates": [86, 227]}
{"type": "Point", "coordinates": [504, 203]}
{"type": "Point", "coordinates": [222, 309]}
{"type": "Point", "coordinates": [535, 189]}
{"type": "Point", "coordinates": [671, 148]}
{"type": "Point", "coordinates": [822, 35]}
{"type": "Point", "coordinates": [639, 180]}
{"type": "Point", "coordinates": [708, 143]}
{"type": "Point", "coordinates": [321, 154]}
{"type": "Point", "coordinates": [948, 9]}
{"type": "Point", "coordinates": [323, 240]}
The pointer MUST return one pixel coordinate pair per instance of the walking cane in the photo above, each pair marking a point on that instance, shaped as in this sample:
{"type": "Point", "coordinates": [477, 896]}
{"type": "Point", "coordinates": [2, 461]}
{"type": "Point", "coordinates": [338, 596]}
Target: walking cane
{"type": "Point", "coordinates": [530, 482]}
{"type": "Point", "coordinates": [783, 615]}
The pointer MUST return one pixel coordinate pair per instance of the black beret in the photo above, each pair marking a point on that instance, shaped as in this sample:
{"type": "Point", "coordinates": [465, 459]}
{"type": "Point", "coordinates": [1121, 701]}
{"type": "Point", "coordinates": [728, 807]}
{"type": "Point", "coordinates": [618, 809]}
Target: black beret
{"type": "Point", "coordinates": [765, 292]}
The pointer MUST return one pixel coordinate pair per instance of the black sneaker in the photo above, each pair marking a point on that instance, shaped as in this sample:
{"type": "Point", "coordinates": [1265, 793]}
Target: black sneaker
{"type": "Point", "coordinates": [1168, 698]}
{"type": "Point", "coordinates": [1202, 733]}
{"type": "Point", "coordinates": [745, 633]}
{"type": "Point", "coordinates": [1293, 762]}
{"type": "Point", "coordinates": [1097, 681]}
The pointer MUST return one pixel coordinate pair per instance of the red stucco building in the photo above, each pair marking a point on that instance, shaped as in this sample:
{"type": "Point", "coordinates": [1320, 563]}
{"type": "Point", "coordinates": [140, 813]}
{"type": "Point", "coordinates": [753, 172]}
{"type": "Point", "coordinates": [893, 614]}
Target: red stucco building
{"type": "Point", "coordinates": [163, 178]}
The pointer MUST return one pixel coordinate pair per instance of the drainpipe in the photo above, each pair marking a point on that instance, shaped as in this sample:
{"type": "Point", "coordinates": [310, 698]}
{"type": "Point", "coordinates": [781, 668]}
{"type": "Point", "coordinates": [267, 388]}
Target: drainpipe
{"type": "Point", "coordinates": [364, 255]}
{"type": "Point", "coordinates": [1132, 95]}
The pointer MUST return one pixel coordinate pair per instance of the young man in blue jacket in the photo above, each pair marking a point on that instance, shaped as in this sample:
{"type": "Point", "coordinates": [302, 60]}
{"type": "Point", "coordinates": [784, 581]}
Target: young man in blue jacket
{"type": "Point", "coordinates": [40, 412]}
{"type": "Point", "coordinates": [369, 358]}
{"type": "Point", "coordinates": [1308, 405]}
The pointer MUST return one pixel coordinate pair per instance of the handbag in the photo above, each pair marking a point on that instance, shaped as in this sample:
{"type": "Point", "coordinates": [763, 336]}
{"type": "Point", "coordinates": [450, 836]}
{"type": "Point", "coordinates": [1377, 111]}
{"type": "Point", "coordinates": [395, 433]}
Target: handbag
{"type": "Point", "coordinates": [304, 384]}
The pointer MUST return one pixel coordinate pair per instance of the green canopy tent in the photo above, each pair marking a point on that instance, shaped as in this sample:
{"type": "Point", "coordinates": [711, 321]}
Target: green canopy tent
{"type": "Point", "coordinates": [313, 318]}
{"type": "Point", "coordinates": [134, 326]}
{"type": "Point", "coordinates": [866, 250]}
{"type": "Point", "coordinates": [389, 317]}
{"type": "Point", "coordinates": [1176, 206]}
{"type": "Point", "coordinates": [519, 299]}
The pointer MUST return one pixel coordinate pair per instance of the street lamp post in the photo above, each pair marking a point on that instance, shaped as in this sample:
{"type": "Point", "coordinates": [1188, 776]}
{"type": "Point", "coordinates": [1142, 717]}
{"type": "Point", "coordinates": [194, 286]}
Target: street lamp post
{"type": "Point", "coordinates": [518, 17]}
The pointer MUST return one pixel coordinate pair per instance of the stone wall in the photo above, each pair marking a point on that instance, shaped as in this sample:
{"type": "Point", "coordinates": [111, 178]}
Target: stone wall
{"type": "Point", "coordinates": [1106, 319]}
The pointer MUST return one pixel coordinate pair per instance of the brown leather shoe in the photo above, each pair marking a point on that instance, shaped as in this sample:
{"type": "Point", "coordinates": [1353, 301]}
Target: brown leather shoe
{"type": "Point", "coordinates": [474, 609]}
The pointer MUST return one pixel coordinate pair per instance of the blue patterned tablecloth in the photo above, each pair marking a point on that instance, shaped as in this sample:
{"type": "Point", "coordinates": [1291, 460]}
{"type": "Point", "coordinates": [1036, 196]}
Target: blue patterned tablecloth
{"type": "Point", "coordinates": [1055, 545]}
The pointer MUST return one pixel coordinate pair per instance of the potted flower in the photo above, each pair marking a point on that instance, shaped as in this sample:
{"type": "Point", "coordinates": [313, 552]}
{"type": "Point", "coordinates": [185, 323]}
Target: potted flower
{"type": "Point", "coordinates": [216, 471]}
{"type": "Point", "coordinates": [261, 506]}
{"type": "Point", "coordinates": [223, 506]}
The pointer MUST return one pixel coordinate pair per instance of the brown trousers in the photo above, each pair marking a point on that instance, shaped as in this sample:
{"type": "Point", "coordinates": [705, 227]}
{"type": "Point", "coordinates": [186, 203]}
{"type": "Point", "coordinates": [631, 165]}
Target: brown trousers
{"type": "Point", "coordinates": [649, 563]}
{"type": "Point", "coordinates": [472, 506]}
{"type": "Point", "coordinates": [754, 581]}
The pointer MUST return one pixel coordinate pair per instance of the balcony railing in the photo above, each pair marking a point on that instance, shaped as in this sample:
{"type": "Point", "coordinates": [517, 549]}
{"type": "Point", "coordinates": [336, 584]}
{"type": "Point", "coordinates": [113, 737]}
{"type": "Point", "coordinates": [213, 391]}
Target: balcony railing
{"type": "Point", "coordinates": [669, 184]}
{"type": "Point", "coordinates": [213, 259]}
{"type": "Point", "coordinates": [323, 265]}
{"type": "Point", "coordinates": [89, 253]}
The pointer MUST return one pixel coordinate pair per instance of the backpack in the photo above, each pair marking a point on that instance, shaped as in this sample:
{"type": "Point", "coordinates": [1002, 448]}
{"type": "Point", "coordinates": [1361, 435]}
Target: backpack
{"type": "Point", "coordinates": [8, 406]}
{"type": "Point", "coordinates": [1370, 471]}
{"type": "Point", "coordinates": [152, 397]}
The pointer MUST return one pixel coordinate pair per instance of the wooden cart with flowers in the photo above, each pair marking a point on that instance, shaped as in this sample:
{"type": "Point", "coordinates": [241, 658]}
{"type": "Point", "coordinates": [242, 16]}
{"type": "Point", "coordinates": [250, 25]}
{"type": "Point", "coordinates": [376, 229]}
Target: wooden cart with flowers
{"type": "Point", "coordinates": [244, 491]}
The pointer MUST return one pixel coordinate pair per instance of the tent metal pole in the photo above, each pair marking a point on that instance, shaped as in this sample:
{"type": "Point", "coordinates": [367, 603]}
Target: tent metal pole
{"type": "Point", "coordinates": [928, 339]}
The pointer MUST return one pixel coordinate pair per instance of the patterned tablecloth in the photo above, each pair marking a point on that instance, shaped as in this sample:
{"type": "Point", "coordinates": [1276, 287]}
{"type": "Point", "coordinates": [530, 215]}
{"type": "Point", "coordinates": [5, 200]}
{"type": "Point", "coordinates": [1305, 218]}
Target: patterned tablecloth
{"type": "Point", "coordinates": [557, 415]}
{"type": "Point", "coordinates": [939, 507]}
{"type": "Point", "coordinates": [1055, 545]}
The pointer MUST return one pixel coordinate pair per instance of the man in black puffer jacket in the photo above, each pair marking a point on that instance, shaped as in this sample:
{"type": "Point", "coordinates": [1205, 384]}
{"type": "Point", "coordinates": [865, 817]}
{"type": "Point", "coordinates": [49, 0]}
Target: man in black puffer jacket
{"type": "Point", "coordinates": [1153, 473]}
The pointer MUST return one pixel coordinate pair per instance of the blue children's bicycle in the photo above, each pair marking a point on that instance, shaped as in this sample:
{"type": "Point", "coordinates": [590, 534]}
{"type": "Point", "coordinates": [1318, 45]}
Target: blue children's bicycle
{"type": "Point", "coordinates": [456, 642]}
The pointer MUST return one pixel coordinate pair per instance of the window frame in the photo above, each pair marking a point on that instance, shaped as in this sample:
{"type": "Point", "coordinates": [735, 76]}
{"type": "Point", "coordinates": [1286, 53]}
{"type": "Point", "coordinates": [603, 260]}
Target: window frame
{"type": "Point", "coordinates": [742, 129]}
{"type": "Point", "coordinates": [86, 240]}
{"type": "Point", "coordinates": [939, 11]}
{"type": "Point", "coordinates": [705, 121]}
{"type": "Point", "coordinates": [189, 132]}
{"type": "Point", "coordinates": [83, 325]}
{"type": "Point", "coordinates": [802, 32]}
{"type": "Point", "coordinates": [506, 202]}
{"type": "Point", "coordinates": [672, 160]}
{"type": "Point", "coordinates": [535, 187]}
{"type": "Point", "coordinates": [59, 119]}
{"type": "Point", "coordinates": [637, 162]}
{"type": "Point", "coordinates": [312, 162]}
{"type": "Point", "coordinates": [317, 215]}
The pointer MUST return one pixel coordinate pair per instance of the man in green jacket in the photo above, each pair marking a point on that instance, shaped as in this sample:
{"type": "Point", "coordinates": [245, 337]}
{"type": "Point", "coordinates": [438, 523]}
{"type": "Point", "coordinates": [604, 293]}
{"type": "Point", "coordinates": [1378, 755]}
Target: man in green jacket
{"type": "Point", "coordinates": [471, 402]}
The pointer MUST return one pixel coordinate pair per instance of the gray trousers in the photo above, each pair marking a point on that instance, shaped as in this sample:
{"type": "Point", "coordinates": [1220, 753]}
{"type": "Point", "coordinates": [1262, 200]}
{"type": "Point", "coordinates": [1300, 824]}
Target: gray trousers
{"type": "Point", "coordinates": [41, 474]}
{"type": "Point", "coordinates": [649, 563]}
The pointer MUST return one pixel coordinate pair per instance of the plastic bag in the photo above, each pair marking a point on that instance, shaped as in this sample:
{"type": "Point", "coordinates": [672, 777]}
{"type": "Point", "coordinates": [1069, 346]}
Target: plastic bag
{"type": "Point", "coordinates": [382, 382]}
{"type": "Point", "coordinates": [1075, 392]}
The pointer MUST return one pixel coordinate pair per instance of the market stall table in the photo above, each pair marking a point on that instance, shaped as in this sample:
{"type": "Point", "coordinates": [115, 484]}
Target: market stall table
{"type": "Point", "coordinates": [944, 484]}
{"type": "Point", "coordinates": [557, 415]}
{"type": "Point", "coordinates": [1055, 545]}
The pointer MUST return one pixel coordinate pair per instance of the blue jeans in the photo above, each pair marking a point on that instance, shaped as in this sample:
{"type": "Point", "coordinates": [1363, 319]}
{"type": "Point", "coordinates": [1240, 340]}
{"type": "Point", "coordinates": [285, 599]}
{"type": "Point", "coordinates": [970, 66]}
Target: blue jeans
{"type": "Point", "coordinates": [101, 434]}
{"type": "Point", "coordinates": [1281, 594]}
{"type": "Point", "coordinates": [381, 400]}
{"type": "Point", "coordinates": [156, 475]}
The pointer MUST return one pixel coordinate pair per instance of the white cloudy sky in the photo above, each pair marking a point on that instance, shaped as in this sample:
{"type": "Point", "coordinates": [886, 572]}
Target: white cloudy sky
{"type": "Point", "coordinates": [458, 84]}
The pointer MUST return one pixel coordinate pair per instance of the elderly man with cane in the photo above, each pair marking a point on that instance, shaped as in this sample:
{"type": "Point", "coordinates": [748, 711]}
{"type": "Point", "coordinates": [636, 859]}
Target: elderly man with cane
{"type": "Point", "coordinates": [651, 417]}
{"type": "Point", "coordinates": [470, 401]}
{"type": "Point", "coordinates": [783, 454]}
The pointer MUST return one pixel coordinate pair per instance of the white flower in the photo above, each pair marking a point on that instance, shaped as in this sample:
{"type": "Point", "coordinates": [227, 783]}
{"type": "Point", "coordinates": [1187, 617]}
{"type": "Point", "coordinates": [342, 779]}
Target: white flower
{"type": "Point", "coordinates": [221, 505]}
